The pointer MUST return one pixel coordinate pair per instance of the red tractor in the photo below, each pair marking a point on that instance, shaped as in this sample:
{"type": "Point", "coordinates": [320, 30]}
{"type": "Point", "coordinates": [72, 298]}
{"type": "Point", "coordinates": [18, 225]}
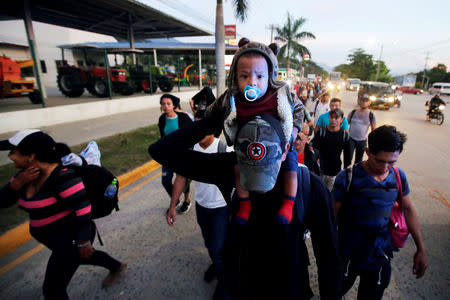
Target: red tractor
{"type": "Point", "coordinates": [73, 80]}
{"type": "Point", "coordinates": [11, 82]}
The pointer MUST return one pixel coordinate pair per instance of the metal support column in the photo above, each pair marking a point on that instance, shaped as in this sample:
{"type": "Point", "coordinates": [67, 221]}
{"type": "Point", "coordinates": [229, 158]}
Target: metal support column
{"type": "Point", "coordinates": [131, 37]}
{"type": "Point", "coordinates": [154, 57]}
{"type": "Point", "coordinates": [200, 69]}
{"type": "Point", "coordinates": [150, 74]}
{"type": "Point", "coordinates": [62, 56]}
{"type": "Point", "coordinates": [34, 53]}
{"type": "Point", "coordinates": [108, 75]}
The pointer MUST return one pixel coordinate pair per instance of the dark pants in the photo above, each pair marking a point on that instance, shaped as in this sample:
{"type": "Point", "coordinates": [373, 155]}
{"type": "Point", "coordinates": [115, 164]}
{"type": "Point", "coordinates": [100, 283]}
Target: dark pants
{"type": "Point", "coordinates": [213, 223]}
{"type": "Point", "coordinates": [372, 283]}
{"type": "Point", "coordinates": [166, 180]}
{"type": "Point", "coordinates": [353, 145]}
{"type": "Point", "coordinates": [63, 263]}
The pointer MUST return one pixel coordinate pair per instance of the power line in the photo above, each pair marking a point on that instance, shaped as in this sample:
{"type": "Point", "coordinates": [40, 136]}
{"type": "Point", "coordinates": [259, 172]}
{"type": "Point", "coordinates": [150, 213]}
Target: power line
{"type": "Point", "coordinates": [422, 48]}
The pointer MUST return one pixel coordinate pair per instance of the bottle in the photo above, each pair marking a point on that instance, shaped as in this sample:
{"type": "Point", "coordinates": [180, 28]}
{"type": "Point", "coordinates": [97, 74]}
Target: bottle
{"type": "Point", "coordinates": [111, 190]}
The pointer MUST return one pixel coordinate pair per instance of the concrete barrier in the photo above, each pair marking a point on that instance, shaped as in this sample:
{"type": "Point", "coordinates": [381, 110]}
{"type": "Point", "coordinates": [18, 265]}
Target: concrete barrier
{"type": "Point", "coordinates": [36, 118]}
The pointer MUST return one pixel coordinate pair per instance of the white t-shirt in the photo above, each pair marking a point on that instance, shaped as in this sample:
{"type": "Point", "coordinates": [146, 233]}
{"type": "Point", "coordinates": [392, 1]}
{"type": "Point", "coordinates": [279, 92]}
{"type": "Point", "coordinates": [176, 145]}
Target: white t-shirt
{"type": "Point", "coordinates": [321, 109]}
{"type": "Point", "coordinates": [208, 195]}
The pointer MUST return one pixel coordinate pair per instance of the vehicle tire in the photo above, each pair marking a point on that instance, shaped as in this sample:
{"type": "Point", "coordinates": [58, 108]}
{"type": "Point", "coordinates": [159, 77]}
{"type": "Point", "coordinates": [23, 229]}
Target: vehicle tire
{"type": "Point", "coordinates": [440, 119]}
{"type": "Point", "coordinates": [165, 85]}
{"type": "Point", "coordinates": [70, 82]}
{"type": "Point", "coordinates": [100, 88]}
{"type": "Point", "coordinates": [35, 97]}
{"type": "Point", "coordinates": [129, 88]}
{"type": "Point", "coordinates": [398, 104]}
{"type": "Point", "coordinates": [146, 86]}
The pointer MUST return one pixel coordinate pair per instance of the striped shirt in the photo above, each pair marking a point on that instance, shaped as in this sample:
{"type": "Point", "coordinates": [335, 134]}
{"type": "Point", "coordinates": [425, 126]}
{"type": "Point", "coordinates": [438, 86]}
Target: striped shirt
{"type": "Point", "coordinates": [61, 206]}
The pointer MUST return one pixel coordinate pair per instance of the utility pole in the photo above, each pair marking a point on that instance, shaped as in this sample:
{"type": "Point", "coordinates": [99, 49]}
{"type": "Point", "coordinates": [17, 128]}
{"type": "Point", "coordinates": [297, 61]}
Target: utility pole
{"type": "Point", "coordinates": [271, 27]}
{"type": "Point", "coordinates": [378, 65]}
{"type": "Point", "coordinates": [425, 69]}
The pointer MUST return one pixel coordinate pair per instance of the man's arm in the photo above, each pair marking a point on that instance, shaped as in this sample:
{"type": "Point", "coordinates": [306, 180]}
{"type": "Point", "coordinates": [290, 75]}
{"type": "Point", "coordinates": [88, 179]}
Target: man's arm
{"type": "Point", "coordinates": [178, 186]}
{"type": "Point", "coordinates": [420, 258]}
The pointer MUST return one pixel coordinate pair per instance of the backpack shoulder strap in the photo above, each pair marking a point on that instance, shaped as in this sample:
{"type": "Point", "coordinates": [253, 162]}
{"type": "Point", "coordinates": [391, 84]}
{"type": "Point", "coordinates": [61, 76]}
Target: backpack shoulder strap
{"type": "Point", "coordinates": [303, 192]}
{"type": "Point", "coordinates": [317, 104]}
{"type": "Point", "coordinates": [322, 131]}
{"type": "Point", "coordinates": [371, 117]}
{"type": "Point", "coordinates": [345, 136]}
{"type": "Point", "coordinates": [351, 116]}
{"type": "Point", "coordinates": [222, 147]}
{"type": "Point", "coordinates": [398, 180]}
{"type": "Point", "coordinates": [349, 172]}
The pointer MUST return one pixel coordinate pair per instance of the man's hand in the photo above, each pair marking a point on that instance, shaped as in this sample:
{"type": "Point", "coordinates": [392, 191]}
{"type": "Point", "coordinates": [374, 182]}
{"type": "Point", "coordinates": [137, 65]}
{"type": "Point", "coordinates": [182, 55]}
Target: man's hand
{"type": "Point", "coordinates": [420, 264]}
{"type": "Point", "coordinates": [28, 175]}
{"type": "Point", "coordinates": [86, 251]}
{"type": "Point", "coordinates": [171, 216]}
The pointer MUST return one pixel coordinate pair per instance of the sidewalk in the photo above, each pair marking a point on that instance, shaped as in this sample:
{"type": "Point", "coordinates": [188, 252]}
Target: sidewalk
{"type": "Point", "coordinates": [77, 132]}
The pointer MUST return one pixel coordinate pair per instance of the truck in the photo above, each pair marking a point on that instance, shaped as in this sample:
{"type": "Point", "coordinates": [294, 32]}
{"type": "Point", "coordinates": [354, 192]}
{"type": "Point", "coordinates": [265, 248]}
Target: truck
{"type": "Point", "coordinates": [12, 84]}
{"type": "Point", "coordinates": [335, 76]}
{"type": "Point", "coordinates": [406, 80]}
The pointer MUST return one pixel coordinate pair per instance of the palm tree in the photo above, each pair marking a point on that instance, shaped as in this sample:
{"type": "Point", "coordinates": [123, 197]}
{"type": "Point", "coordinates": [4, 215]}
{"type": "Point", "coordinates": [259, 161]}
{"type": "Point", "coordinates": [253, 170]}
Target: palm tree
{"type": "Point", "coordinates": [289, 34]}
{"type": "Point", "coordinates": [241, 7]}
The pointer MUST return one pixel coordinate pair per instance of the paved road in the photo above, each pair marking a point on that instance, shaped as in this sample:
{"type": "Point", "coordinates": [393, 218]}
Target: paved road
{"type": "Point", "coordinates": [168, 263]}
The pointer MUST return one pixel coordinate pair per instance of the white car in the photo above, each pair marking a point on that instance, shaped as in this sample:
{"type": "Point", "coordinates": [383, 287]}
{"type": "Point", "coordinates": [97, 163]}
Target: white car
{"type": "Point", "coordinates": [440, 87]}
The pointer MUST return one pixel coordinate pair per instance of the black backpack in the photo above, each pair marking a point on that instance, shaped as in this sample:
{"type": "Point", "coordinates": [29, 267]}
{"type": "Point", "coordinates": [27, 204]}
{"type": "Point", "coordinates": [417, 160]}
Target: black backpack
{"type": "Point", "coordinates": [96, 179]}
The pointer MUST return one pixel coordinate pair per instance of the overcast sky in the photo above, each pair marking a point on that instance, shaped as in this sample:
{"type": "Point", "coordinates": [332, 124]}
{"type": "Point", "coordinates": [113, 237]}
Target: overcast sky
{"type": "Point", "coordinates": [406, 30]}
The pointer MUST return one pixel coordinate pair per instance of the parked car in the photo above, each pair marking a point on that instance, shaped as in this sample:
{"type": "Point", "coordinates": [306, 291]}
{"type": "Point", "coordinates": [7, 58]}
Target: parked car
{"type": "Point", "coordinates": [410, 90]}
{"type": "Point", "coordinates": [440, 87]}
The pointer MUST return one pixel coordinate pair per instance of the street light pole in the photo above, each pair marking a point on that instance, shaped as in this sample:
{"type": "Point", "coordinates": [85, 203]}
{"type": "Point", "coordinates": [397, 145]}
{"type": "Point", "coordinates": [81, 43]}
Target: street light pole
{"type": "Point", "coordinates": [378, 65]}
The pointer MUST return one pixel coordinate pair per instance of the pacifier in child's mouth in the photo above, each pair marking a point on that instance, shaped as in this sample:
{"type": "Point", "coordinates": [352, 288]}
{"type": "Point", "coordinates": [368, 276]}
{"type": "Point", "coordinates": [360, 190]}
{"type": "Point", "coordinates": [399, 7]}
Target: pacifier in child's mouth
{"type": "Point", "coordinates": [251, 93]}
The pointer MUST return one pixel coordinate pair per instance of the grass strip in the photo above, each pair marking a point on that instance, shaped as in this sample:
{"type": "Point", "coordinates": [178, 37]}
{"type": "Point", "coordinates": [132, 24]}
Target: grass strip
{"type": "Point", "coordinates": [120, 153]}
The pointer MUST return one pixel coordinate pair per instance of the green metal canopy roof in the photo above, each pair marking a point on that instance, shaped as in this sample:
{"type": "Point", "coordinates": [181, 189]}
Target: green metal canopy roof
{"type": "Point", "coordinates": [109, 17]}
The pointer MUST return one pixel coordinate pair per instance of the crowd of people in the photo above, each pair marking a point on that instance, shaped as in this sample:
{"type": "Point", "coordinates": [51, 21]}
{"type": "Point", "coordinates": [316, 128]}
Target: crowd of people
{"type": "Point", "coordinates": [276, 179]}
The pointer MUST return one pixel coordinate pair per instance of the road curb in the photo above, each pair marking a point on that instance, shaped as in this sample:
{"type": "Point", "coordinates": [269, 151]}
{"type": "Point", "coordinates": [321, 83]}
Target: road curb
{"type": "Point", "coordinates": [20, 234]}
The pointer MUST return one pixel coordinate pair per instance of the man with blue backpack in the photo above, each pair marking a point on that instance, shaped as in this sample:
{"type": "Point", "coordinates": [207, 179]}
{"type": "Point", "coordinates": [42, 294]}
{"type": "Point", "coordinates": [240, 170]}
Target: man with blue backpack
{"type": "Point", "coordinates": [365, 195]}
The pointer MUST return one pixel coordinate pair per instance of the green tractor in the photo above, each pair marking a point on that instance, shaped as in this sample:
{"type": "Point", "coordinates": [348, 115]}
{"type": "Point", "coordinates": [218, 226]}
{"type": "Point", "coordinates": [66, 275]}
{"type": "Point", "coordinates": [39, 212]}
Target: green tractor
{"type": "Point", "coordinates": [139, 75]}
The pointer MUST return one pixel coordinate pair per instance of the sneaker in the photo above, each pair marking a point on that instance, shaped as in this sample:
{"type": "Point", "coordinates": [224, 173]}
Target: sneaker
{"type": "Point", "coordinates": [184, 208]}
{"type": "Point", "coordinates": [112, 276]}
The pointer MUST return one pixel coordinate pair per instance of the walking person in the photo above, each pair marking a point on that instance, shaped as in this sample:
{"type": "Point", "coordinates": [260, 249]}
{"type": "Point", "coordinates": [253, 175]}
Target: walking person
{"type": "Point", "coordinates": [360, 120]}
{"type": "Point", "coordinates": [170, 121]}
{"type": "Point", "coordinates": [306, 154]}
{"type": "Point", "coordinates": [264, 260]}
{"type": "Point", "coordinates": [331, 141]}
{"type": "Point", "coordinates": [323, 120]}
{"type": "Point", "coordinates": [59, 209]}
{"type": "Point", "coordinates": [320, 106]}
{"type": "Point", "coordinates": [363, 204]}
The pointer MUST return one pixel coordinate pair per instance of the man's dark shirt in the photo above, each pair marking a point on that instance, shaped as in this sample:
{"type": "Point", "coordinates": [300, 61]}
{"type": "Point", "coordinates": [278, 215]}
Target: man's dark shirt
{"type": "Point", "coordinates": [330, 147]}
{"type": "Point", "coordinates": [265, 260]}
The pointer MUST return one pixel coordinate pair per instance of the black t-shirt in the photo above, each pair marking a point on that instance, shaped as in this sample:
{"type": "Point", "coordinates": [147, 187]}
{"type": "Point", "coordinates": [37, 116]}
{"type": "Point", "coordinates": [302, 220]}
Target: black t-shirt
{"type": "Point", "coordinates": [330, 146]}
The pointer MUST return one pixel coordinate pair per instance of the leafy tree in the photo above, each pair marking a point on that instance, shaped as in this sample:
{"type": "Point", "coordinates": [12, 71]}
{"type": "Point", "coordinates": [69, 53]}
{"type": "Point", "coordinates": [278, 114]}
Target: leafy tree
{"type": "Point", "coordinates": [361, 64]}
{"type": "Point", "coordinates": [436, 74]}
{"type": "Point", "coordinates": [290, 35]}
{"type": "Point", "coordinates": [383, 73]}
{"type": "Point", "coordinates": [241, 8]}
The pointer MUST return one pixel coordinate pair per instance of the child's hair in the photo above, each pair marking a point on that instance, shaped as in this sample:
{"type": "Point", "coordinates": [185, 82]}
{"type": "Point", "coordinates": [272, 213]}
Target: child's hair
{"type": "Point", "coordinates": [386, 138]}
{"type": "Point", "coordinates": [175, 100]}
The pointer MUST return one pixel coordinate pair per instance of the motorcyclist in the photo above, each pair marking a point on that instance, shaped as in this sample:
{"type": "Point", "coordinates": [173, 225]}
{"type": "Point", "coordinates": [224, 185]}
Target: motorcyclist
{"type": "Point", "coordinates": [434, 103]}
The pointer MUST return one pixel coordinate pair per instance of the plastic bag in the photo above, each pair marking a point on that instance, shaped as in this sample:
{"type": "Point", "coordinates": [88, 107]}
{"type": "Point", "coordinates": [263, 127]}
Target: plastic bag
{"type": "Point", "coordinates": [92, 154]}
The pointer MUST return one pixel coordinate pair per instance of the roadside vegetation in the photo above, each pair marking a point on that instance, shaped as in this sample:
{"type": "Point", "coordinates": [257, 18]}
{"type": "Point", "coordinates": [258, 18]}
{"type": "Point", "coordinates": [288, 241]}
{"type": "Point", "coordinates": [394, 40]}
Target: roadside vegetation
{"type": "Point", "coordinates": [120, 153]}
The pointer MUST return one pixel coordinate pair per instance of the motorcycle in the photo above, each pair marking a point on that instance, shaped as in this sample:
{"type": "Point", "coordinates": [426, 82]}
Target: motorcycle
{"type": "Point", "coordinates": [437, 113]}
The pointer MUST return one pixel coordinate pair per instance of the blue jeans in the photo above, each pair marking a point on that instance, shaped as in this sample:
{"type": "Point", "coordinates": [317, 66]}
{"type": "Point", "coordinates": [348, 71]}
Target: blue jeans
{"type": "Point", "coordinates": [213, 223]}
{"type": "Point", "coordinates": [166, 180]}
{"type": "Point", "coordinates": [353, 145]}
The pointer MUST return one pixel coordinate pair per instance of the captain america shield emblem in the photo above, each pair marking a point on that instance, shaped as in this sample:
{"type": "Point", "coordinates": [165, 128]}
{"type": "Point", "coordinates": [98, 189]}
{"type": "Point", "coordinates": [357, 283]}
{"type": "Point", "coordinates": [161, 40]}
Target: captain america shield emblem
{"type": "Point", "coordinates": [256, 151]}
